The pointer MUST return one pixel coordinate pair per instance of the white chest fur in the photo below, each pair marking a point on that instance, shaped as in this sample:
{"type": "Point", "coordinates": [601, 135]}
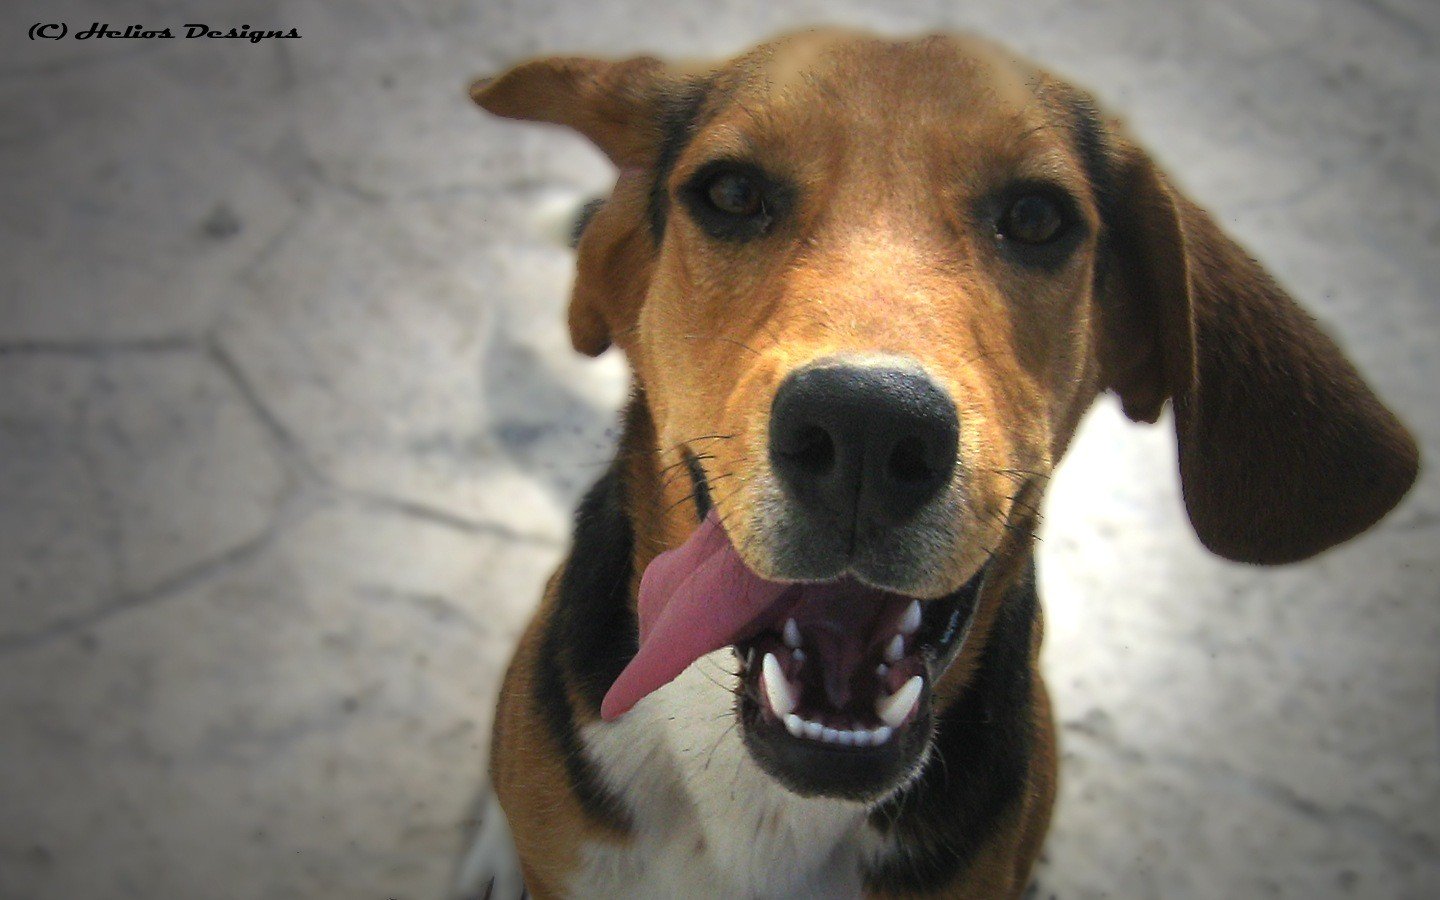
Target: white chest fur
{"type": "Point", "coordinates": [709, 822]}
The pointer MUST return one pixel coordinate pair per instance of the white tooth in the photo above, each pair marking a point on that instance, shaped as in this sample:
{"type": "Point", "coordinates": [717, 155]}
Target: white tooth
{"type": "Point", "coordinates": [860, 737]}
{"type": "Point", "coordinates": [782, 699]}
{"type": "Point", "coordinates": [813, 730]}
{"type": "Point", "coordinates": [882, 670]}
{"type": "Point", "coordinates": [792, 634]}
{"type": "Point", "coordinates": [911, 620]}
{"type": "Point", "coordinates": [794, 724]}
{"type": "Point", "coordinates": [895, 650]}
{"type": "Point", "coordinates": [894, 708]}
{"type": "Point", "coordinates": [749, 657]}
{"type": "Point", "coordinates": [880, 735]}
{"type": "Point", "coordinates": [799, 656]}
{"type": "Point", "coordinates": [847, 737]}
{"type": "Point", "coordinates": [830, 735]}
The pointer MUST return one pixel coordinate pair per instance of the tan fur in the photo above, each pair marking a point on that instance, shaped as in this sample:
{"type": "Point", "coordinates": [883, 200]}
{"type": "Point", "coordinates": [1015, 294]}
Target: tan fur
{"type": "Point", "coordinates": [527, 774]}
{"type": "Point", "coordinates": [1284, 450]}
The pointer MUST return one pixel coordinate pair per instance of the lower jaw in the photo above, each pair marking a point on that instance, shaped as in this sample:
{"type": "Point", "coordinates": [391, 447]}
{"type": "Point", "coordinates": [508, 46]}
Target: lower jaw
{"type": "Point", "coordinates": [872, 770]}
{"type": "Point", "coordinates": [813, 768]}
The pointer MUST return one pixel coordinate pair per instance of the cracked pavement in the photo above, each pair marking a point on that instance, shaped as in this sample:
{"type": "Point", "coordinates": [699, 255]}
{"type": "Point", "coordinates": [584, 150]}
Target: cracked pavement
{"type": "Point", "coordinates": [290, 431]}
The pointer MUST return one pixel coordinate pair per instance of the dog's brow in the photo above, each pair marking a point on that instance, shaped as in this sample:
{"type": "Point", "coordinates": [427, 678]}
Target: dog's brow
{"type": "Point", "coordinates": [1087, 130]}
{"type": "Point", "coordinates": [679, 115]}
{"type": "Point", "coordinates": [1091, 141]}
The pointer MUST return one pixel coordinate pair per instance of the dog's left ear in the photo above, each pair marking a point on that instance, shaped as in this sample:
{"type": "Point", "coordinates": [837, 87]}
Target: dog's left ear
{"type": "Point", "coordinates": [1284, 450]}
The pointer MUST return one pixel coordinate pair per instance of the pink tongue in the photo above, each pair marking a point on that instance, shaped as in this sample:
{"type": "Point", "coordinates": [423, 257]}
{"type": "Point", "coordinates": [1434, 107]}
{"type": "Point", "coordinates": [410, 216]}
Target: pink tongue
{"type": "Point", "coordinates": [694, 599]}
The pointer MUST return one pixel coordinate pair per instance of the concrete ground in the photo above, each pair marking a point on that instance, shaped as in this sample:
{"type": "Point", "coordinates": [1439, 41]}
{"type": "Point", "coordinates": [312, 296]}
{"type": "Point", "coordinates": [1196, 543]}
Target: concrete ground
{"type": "Point", "coordinates": [290, 429]}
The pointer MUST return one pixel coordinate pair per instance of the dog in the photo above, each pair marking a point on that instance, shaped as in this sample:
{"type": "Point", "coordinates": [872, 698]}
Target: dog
{"type": "Point", "coordinates": [867, 288]}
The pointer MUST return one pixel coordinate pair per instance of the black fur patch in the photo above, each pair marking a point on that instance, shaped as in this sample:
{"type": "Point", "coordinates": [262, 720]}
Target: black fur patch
{"type": "Point", "coordinates": [591, 637]}
{"type": "Point", "coordinates": [701, 485]}
{"type": "Point", "coordinates": [582, 219]}
{"type": "Point", "coordinates": [677, 126]}
{"type": "Point", "coordinates": [978, 769]}
{"type": "Point", "coordinates": [1092, 144]}
{"type": "Point", "coordinates": [596, 626]}
{"type": "Point", "coordinates": [1087, 130]}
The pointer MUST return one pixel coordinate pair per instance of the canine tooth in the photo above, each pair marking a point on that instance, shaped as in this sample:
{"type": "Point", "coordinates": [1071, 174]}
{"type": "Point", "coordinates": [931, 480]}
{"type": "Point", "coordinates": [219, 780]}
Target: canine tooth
{"type": "Point", "coordinates": [792, 634]}
{"type": "Point", "coordinates": [894, 708]}
{"type": "Point", "coordinates": [880, 735]}
{"type": "Point", "coordinates": [830, 735]}
{"type": "Point", "coordinates": [782, 698]}
{"type": "Point", "coordinates": [910, 622]}
{"type": "Point", "coordinates": [896, 649]}
{"type": "Point", "coordinates": [795, 725]}
{"type": "Point", "coordinates": [813, 730]}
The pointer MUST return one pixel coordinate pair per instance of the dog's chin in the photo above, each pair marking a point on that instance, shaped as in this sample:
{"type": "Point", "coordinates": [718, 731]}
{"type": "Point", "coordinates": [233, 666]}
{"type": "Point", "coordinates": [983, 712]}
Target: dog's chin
{"type": "Point", "coordinates": [835, 699]}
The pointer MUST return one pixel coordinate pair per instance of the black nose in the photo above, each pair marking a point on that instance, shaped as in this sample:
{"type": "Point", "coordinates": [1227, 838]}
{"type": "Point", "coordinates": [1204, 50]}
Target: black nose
{"type": "Point", "coordinates": [858, 446]}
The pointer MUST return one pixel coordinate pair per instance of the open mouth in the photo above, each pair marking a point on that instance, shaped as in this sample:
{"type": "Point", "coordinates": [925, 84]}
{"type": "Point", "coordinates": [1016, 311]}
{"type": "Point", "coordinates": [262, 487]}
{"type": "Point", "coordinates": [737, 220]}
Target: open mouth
{"type": "Point", "coordinates": [834, 668]}
{"type": "Point", "coordinates": [844, 668]}
{"type": "Point", "coordinates": [836, 683]}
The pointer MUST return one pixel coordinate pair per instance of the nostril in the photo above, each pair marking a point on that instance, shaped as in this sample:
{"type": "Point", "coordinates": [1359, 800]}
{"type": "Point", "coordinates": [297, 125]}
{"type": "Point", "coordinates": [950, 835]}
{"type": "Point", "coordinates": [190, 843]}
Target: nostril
{"type": "Point", "coordinates": [813, 451]}
{"type": "Point", "coordinates": [907, 464]}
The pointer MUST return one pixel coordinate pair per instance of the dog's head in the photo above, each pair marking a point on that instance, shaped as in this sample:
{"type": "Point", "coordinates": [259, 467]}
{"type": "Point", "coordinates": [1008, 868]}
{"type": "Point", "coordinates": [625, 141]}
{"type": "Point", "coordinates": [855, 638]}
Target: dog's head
{"type": "Point", "coordinates": [868, 288]}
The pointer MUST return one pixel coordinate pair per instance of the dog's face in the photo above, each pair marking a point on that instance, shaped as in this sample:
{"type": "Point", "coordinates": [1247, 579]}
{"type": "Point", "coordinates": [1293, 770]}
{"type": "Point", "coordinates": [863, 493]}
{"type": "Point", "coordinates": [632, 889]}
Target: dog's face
{"type": "Point", "coordinates": [868, 288]}
{"type": "Point", "coordinates": [885, 312]}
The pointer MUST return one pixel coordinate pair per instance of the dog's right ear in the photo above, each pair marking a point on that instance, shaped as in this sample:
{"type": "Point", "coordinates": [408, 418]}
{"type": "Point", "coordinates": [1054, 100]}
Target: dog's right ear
{"type": "Point", "coordinates": [621, 108]}
{"type": "Point", "coordinates": [614, 104]}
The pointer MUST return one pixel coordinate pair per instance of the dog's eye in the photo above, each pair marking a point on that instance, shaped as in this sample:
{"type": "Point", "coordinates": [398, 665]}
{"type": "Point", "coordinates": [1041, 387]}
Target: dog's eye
{"type": "Point", "coordinates": [1032, 219]}
{"type": "Point", "coordinates": [735, 201]}
{"type": "Point", "coordinates": [735, 194]}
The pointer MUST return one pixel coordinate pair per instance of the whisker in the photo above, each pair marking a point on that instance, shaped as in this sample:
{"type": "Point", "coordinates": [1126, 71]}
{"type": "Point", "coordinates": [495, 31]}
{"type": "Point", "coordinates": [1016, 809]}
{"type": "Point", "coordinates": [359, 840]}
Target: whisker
{"type": "Point", "coordinates": [725, 338]}
{"type": "Point", "coordinates": [710, 757]}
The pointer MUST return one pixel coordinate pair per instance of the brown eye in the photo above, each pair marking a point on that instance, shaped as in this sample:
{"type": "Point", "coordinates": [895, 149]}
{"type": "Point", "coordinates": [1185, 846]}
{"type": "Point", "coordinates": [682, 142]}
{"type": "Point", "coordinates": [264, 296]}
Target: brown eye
{"type": "Point", "coordinates": [735, 200]}
{"type": "Point", "coordinates": [1032, 219]}
{"type": "Point", "coordinates": [734, 194]}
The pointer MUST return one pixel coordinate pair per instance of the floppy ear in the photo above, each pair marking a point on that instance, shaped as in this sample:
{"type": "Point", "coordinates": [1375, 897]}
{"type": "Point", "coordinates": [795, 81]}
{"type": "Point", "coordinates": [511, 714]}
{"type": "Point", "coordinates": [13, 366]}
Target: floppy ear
{"type": "Point", "coordinates": [619, 106]}
{"type": "Point", "coordinates": [1284, 450]}
{"type": "Point", "coordinates": [614, 104]}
